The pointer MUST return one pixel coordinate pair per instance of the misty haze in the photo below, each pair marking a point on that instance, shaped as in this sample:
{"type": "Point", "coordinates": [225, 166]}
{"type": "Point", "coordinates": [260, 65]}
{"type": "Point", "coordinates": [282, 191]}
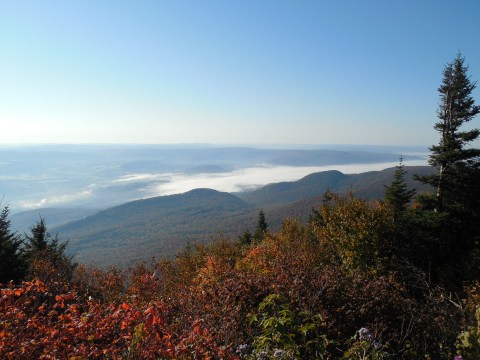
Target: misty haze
{"type": "Point", "coordinates": [101, 176]}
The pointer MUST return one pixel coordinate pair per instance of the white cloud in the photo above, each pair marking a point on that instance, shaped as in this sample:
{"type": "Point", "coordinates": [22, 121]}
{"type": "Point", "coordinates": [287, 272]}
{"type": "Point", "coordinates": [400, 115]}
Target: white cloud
{"type": "Point", "coordinates": [58, 199]}
{"type": "Point", "coordinates": [130, 178]}
{"type": "Point", "coordinates": [252, 177]}
{"type": "Point", "coordinates": [159, 184]}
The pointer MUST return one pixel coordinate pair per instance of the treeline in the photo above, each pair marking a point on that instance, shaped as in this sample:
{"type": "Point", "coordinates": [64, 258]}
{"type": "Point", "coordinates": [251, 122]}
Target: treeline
{"type": "Point", "coordinates": [34, 255]}
{"type": "Point", "coordinates": [391, 279]}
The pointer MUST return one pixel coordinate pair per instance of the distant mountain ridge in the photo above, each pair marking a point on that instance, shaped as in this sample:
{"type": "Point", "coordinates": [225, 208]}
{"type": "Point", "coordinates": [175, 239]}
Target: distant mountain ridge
{"type": "Point", "coordinates": [150, 227]}
{"type": "Point", "coordinates": [101, 176]}
{"type": "Point", "coordinates": [161, 226]}
{"type": "Point", "coordinates": [23, 221]}
{"type": "Point", "coordinates": [285, 192]}
{"type": "Point", "coordinates": [369, 185]}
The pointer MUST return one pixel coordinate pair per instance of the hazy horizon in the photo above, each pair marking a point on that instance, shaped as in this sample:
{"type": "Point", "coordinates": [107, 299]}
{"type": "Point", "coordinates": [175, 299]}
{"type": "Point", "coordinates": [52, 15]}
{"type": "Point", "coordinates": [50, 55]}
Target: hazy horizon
{"type": "Point", "coordinates": [174, 145]}
{"type": "Point", "coordinates": [99, 176]}
{"type": "Point", "coordinates": [164, 184]}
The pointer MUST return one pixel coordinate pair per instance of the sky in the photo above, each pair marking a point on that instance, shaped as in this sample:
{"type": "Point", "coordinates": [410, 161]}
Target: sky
{"type": "Point", "coordinates": [229, 72]}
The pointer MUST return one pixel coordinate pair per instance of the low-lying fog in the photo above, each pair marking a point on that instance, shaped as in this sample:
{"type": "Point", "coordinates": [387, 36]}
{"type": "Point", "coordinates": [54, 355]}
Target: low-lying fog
{"type": "Point", "coordinates": [33, 178]}
{"type": "Point", "coordinates": [251, 178]}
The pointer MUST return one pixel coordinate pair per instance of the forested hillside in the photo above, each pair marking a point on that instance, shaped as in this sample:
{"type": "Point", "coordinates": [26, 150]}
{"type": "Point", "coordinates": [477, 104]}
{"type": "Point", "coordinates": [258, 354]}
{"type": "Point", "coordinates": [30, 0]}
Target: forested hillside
{"type": "Point", "coordinates": [21, 222]}
{"type": "Point", "coordinates": [163, 225]}
{"type": "Point", "coordinates": [368, 185]}
{"type": "Point", "coordinates": [390, 278]}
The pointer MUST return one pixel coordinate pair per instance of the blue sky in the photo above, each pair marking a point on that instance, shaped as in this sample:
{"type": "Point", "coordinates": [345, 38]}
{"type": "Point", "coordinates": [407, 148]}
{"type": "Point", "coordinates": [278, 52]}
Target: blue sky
{"type": "Point", "coordinates": [229, 72]}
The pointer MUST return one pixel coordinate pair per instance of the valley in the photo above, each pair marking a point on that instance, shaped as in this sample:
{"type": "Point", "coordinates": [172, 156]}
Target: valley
{"type": "Point", "coordinates": [161, 226]}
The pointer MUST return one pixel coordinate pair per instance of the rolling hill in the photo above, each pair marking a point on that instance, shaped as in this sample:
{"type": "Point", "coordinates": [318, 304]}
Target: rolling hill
{"type": "Point", "coordinates": [163, 225]}
{"type": "Point", "coordinates": [158, 226]}
{"type": "Point", "coordinates": [102, 176]}
{"type": "Point", "coordinates": [22, 222]}
{"type": "Point", "coordinates": [368, 185]}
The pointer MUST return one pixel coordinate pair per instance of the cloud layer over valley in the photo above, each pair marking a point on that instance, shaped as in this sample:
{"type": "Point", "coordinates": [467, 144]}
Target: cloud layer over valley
{"type": "Point", "coordinates": [99, 177]}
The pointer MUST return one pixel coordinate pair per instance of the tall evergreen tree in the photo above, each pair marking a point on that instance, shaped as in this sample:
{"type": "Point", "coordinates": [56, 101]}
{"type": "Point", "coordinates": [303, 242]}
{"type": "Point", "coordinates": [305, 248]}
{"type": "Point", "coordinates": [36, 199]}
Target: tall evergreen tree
{"type": "Point", "coordinates": [11, 262]}
{"type": "Point", "coordinates": [457, 163]}
{"type": "Point", "coordinates": [246, 238]}
{"type": "Point", "coordinates": [451, 216]}
{"type": "Point", "coordinates": [261, 228]}
{"type": "Point", "coordinates": [397, 198]}
{"type": "Point", "coordinates": [39, 238]}
{"type": "Point", "coordinates": [46, 255]}
{"type": "Point", "coordinates": [397, 195]}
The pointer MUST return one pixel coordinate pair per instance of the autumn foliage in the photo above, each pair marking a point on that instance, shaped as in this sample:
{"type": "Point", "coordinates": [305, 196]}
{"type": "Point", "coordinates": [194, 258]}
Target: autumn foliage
{"type": "Point", "coordinates": [328, 289]}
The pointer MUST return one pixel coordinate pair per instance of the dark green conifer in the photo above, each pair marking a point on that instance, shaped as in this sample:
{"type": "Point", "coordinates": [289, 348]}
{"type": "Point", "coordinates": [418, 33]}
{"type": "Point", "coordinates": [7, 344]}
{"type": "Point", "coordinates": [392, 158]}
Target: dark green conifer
{"type": "Point", "coordinates": [397, 195]}
{"type": "Point", "coordinates": [11, 263]}
{"type": "Point", "coordinates": [38, 241]}
{"type": "Point", "coordinates": [450, 217]}
{"type": "Point", "coordinates": [46, 255]}
{"type": "Point", "coordinates": [262, 227]}
{"type": "Point", "coordinates": [246, 238]}
{"type": "Point", "coordinates": [458, 164]}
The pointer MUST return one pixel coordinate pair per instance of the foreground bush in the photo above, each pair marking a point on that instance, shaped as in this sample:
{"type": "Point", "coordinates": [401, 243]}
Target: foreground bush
{"type": "Point", "coordinates": [303, 292]}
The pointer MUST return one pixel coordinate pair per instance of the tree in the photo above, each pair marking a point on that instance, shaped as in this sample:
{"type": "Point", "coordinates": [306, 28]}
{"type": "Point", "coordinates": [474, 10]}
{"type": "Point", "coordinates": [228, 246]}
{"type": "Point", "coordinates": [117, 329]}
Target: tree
{"type": "Point", "coordinates": [39, 239]}
{"type": "Point", "coordinates": [46, 256]}
{"type": "Point", "coordinates": [457, 163]}
{"type": "Point", "coordinates": [261, 228]}
{"type": "Point", "coordinates": [397, 195]}
{"type": "Point", "coordinates": [397, 198]}
{"type": "Point", "coordinates": [355, 233]}
{"type": "Point", "coordinates": [453, 211]}
{"type": "Point", "coordinates": [11, 263]}
{"type": "Point", "coordinates": [246, 238]}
